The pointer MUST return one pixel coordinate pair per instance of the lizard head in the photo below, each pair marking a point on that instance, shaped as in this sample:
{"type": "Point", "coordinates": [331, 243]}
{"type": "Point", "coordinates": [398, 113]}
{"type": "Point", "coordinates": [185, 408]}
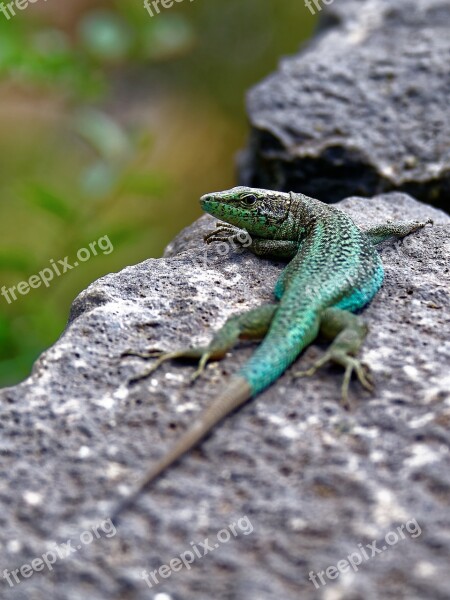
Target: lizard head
{"type": "Point", "coordinates": [258, 211]}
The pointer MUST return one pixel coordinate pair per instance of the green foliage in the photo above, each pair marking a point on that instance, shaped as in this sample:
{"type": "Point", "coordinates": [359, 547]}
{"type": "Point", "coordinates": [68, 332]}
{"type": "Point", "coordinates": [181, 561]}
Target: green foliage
{"type": "Point", "coordinates": [32, 53]}
{"type": "Point", "coordinates": [29, 54]}
{"type": "Point", "coordinates": [89, 203]}
{"type": "Point", "coordinates": [43, 198]}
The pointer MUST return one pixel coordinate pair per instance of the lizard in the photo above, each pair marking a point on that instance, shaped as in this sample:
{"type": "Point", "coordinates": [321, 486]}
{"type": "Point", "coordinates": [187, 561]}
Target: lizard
{"type": "Point", "coordinates": [334, 270]}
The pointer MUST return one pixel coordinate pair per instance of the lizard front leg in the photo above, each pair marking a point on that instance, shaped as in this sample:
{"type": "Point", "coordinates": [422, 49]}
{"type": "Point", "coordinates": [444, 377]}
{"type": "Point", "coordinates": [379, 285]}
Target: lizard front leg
{"type": "Point", "coordinates": [252, 324]}
{"type": "Point", "coordinates": [284, 249]}
{"type": "Point", "coordinates": [348, 332]}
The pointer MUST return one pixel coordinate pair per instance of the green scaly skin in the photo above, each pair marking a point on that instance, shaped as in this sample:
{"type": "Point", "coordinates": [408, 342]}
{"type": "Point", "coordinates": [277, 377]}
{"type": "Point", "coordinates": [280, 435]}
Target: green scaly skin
{"type": "Point", "coordinates": [334, 270]}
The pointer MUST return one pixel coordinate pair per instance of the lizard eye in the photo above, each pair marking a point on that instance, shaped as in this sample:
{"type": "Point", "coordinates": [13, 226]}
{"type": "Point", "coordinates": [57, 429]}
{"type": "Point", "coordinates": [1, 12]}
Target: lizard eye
{"type": "Point", "coordinates": [249, 200]}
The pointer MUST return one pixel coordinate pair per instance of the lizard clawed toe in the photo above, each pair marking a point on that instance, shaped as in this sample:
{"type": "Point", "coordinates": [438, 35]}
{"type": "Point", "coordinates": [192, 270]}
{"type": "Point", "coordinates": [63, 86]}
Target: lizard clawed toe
{"type": "Point", "coordinates": [145, 355]}
{"type": "Point", "coordinates": [351, 365]}
{"type": "Point", "coordinates": [223, 233]}
{"type": "Point", "coordinates": [147, 372]}
{"type": "Point", "coordinates": [363, 374]}
{"type": "Point", "coordinates": [201, 367]}
{"type": "Point", "coordinates": [314, 367]}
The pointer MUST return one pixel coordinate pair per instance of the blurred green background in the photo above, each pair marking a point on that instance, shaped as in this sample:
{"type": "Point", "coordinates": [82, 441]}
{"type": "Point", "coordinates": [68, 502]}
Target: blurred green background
{"type": "Point", "coordinates": [114, 123]}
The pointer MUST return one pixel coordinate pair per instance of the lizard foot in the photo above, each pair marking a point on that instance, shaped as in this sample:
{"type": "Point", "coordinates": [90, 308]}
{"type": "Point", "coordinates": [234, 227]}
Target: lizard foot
{"type": "Point", "coordinates": [225, 232]}
{"type": "Point", "coordinates": [351, 365]}
{"type": "Point", "coordinates": [201, 353]}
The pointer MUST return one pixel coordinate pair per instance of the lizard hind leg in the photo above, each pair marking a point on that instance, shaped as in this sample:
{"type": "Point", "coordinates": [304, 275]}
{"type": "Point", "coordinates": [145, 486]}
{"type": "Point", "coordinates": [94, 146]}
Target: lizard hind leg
{"type": "Point", "coordinates": [348, 332]}
{"type": "Point", "coordinates": [400, 229]}
{"type": "Point", "coordinates": [252, 324]}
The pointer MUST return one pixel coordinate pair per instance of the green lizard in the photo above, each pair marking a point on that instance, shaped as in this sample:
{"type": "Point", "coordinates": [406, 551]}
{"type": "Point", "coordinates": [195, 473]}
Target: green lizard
{"type": "Point", "coordinates": [334, 271]}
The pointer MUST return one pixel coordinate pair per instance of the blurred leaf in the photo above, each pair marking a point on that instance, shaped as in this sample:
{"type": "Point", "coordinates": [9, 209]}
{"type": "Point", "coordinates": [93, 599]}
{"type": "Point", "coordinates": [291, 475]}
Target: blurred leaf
{"type": "Point", "coordinates": [103, 134]}
{"type": "Point", "coordinates": [98, 179]}
{"type": "Point", "coordinates": [166, 37]}
{"type": "Point", "coordinates": [106, 36]}
{"type": "Point", "coordinates": [47, 200]}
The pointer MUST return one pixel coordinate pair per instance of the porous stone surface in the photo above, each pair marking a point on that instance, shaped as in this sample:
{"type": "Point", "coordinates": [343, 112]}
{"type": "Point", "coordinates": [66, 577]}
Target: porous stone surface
{"type": "Point", "coordinates": [305, 483]}
{"type": "Point", "coordinates": [363, 109]}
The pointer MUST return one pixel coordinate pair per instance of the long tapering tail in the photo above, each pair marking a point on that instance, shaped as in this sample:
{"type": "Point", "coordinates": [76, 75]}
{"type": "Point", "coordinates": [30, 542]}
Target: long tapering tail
{"type": "Point", "coordinates": [235, 394]}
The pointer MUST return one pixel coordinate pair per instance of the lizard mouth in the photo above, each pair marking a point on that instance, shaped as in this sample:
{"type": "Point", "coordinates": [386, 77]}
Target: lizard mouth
{"type": "Point", "coordinates": [208, 203]}
{"type": "Point", "coordinates": [204, 200]}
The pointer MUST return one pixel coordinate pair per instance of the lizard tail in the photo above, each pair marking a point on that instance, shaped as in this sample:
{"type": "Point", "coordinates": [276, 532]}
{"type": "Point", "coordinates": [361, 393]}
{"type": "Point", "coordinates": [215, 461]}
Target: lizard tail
{"type": "Point", "coordinates": [235, 394]}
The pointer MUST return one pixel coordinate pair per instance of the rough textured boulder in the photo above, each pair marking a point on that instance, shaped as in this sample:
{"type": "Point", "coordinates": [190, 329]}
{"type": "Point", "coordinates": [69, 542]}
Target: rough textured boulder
{"type": "Point", "coordinates": [363, 109]}
{"type": "Point", "coordinates": [304, 482]}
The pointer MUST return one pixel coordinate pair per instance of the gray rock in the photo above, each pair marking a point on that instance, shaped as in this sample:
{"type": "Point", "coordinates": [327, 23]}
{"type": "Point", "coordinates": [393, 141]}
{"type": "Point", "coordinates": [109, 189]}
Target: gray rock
{"type": "Point", "coordinates": [363, 109]}
{"type": "Point", "coordinates": [305, 483]}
